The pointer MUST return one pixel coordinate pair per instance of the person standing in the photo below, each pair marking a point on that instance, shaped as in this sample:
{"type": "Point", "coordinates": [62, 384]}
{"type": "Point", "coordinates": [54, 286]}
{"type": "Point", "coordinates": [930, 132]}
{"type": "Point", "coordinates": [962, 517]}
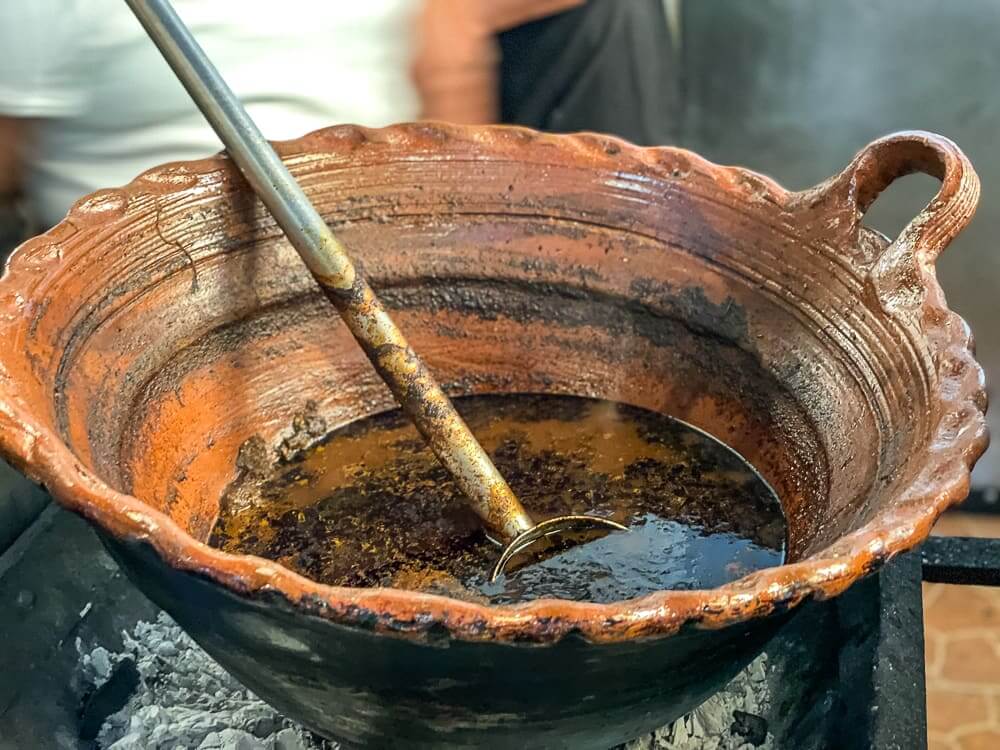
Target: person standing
{"type": "Point", "coordinates": [557, 65]}
{"type": "Point", "coordinates": [87, 102]}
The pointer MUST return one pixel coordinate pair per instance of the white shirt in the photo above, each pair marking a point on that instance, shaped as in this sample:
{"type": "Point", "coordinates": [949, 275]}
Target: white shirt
{"type": "Point", "coordinates": [110, 107]}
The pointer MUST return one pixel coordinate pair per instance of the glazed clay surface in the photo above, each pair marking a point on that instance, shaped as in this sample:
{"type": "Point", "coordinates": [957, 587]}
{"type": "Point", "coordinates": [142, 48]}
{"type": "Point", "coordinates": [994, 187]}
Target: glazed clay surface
{"type": "Point", "coordinates": [163, 324]}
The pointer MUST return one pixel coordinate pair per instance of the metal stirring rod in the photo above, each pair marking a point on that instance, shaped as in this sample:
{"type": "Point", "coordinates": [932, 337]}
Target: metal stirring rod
{"type": "Point", "coordinates": [326, 258]}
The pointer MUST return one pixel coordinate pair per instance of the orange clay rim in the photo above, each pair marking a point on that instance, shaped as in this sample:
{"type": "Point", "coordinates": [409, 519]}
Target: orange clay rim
{"type": "Point", "coordinates": [951, 451]}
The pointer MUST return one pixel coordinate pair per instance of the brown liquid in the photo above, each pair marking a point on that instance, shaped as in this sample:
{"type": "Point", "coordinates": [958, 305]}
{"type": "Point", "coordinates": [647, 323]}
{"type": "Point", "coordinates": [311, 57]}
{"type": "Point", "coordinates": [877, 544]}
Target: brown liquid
{"type": "Point", "coordinates": [371, 506]}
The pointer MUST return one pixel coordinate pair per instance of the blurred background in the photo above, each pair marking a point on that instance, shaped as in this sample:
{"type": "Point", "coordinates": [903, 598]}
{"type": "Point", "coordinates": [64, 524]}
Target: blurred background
{"type": "Point", "coordinates": [793, 89]}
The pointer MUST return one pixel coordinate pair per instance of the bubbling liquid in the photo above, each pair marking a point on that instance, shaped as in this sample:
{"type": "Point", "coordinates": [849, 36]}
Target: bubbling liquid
{"type": "Point", "coordinates": [369, 505]}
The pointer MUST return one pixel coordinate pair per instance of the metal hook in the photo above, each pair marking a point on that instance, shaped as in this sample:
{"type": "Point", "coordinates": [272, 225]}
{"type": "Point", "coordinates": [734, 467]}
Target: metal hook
{"type": "Point", "coordinates": [551, 526]}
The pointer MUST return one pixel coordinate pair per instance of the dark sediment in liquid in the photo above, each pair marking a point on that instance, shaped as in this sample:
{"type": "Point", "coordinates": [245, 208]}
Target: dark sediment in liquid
{"type": "Point", "coordinates": [370, 505]}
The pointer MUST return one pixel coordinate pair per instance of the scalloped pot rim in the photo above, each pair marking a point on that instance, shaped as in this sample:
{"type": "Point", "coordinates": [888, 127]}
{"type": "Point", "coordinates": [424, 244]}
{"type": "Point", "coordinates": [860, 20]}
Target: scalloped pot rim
{"type": "Point", "coordinates": [951, 452]}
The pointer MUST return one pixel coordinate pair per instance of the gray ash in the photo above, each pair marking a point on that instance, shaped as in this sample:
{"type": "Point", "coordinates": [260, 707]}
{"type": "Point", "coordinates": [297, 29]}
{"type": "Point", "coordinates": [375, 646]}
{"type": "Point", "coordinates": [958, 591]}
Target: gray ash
{"type": "Point", "coordinates": [184, 700]}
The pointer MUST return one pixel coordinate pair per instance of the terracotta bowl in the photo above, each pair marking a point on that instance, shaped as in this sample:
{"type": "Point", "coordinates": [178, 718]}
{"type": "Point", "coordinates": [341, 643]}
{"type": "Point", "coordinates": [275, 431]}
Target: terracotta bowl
{"type": "Point", "coordinates": [162, 324]}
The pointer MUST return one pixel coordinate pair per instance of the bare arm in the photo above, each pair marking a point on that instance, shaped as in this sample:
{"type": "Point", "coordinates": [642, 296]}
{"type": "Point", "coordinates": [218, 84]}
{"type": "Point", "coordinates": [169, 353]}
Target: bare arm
{"type": "Point", "coordinates": [506, 14]}
{"type": "Point", "coordinates": [456, 67]}
{"type": "Point", "coordinates": [13, 134]}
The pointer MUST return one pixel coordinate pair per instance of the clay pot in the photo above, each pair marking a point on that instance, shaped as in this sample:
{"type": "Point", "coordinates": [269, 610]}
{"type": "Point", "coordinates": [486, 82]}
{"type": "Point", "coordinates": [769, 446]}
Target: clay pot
{"type": "Point", "coordinates": [161, 325]}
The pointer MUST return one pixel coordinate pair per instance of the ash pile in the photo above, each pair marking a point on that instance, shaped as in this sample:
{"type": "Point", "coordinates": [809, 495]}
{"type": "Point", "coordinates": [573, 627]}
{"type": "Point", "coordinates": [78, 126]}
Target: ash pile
{"type": "Point", "coordinates": [176, 696]}
{"type": "Point", "coordinates": [162, 692]}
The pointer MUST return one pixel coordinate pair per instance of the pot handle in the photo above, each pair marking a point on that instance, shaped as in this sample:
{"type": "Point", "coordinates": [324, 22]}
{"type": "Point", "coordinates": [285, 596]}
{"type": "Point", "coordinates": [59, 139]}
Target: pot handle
{"type": "Point", "coordinates": [881, 162]}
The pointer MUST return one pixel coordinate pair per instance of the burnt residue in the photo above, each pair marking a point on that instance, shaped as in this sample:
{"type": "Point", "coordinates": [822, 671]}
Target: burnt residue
{"type": "Point", "coordinates": [416, 389]}
{"type": "Point", "coordinates": [573, 305]}
{"type": "Point", "coordinates": [709, 344]}
{"type": "Point", "coordinates": [261, 322]}
{"type": "Point", "coordinates": [151, 385]}
{"type": "Point", "coordinates": [370, 506]}
{"type": "Point", "coordinates": [308, 426]}
{"type": "Point", "coordinates": [726, 320]}
{"type": "Point", "coordinates": [254, 459]}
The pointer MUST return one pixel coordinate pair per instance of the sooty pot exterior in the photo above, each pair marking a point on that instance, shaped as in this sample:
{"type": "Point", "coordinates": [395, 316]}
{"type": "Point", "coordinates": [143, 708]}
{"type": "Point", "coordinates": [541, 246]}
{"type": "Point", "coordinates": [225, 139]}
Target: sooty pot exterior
{"type": "Point", "coordinates": [370, 690]}
{"type": "Point", "coordinates": [163, 324]}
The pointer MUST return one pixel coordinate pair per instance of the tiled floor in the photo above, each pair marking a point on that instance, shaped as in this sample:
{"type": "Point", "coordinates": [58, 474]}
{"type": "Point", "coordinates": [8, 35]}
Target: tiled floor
{"type": "Point", "coordinates": [962, 626]}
